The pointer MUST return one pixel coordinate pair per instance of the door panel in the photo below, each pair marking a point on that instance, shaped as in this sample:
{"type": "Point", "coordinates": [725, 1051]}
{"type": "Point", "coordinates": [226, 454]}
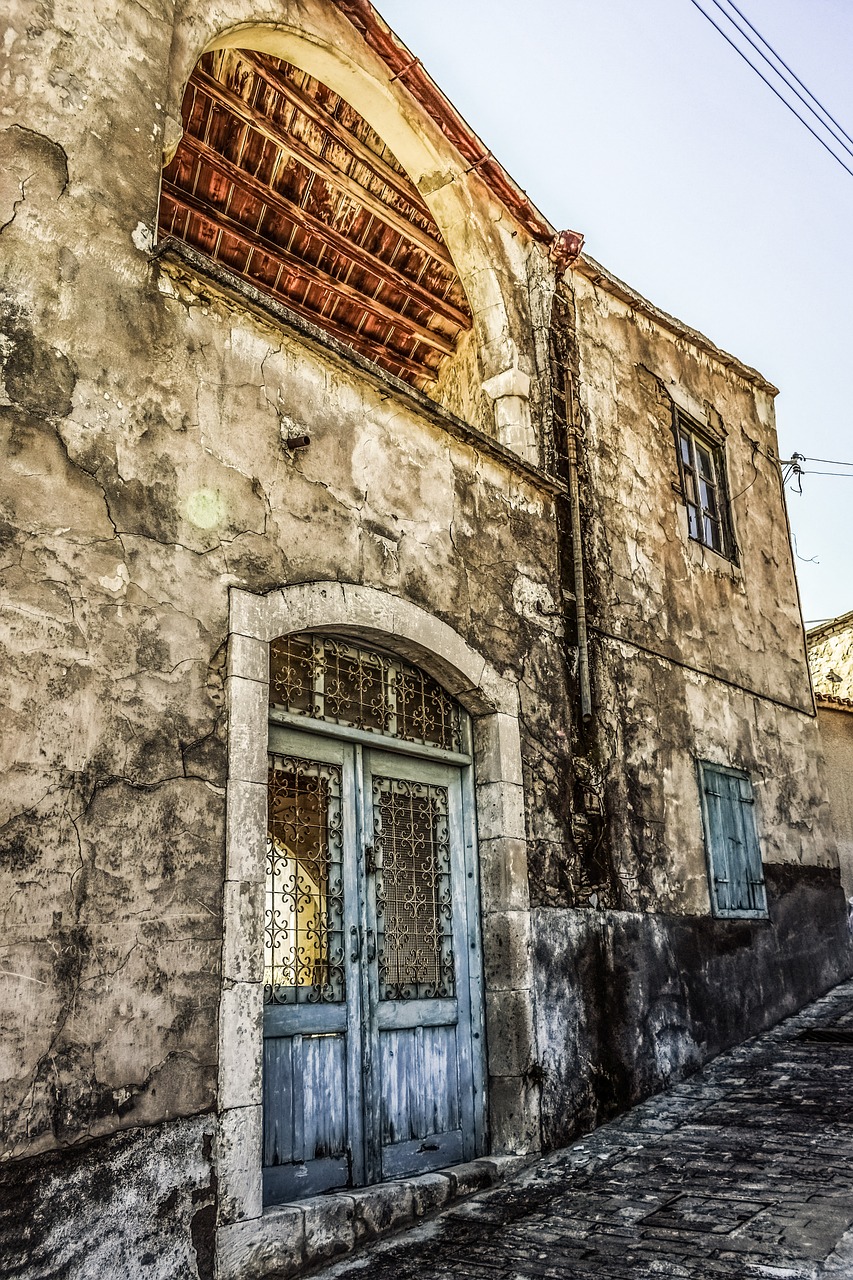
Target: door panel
{"type": "Point", "coordinates": [417, 906]}
{"type": "Point", "coordinates": [367, 1019]}
{"type": "Point", "coordinates": [305, 1091]}
{"type": "Point", "coordinates": [312, 1009]}
{"type": "Point", "coordinates": [420, 1093]}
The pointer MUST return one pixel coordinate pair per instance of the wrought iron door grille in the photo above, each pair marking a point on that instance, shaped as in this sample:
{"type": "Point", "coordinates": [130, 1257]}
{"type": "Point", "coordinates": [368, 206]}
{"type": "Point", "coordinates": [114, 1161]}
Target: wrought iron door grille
{"type": "Point", "coordinates": [331, 680]}
{"type": "Point", "coordinates": [413, 891]}
{"type": "Point", "coordinates": [303, 926]}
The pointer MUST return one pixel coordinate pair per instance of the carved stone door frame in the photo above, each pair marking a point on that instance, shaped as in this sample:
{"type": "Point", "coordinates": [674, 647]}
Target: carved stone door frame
{"type": "Point", "coordinates": [492, 702]}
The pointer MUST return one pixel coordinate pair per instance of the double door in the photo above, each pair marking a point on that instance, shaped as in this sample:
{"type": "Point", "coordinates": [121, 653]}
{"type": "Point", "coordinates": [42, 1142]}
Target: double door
{"type": "Point", "coordinates": [372, 1030]}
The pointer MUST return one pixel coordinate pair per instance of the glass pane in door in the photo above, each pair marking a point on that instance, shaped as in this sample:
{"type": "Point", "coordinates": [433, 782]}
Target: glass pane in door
{"type": "Point", "coordinates": [304, 928]}
{"type": "Point", "coordinates": [414, 909]}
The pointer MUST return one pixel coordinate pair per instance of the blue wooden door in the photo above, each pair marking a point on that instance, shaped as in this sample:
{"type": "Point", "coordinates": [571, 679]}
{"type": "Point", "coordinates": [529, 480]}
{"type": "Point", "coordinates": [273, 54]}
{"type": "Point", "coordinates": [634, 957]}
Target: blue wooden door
{"type": "Point", "coordinates": [421, 1085]}
{"type": "Point", "coordinates": [369, 1047]}
{"type": "Point", "coordinates": [312, 1004]}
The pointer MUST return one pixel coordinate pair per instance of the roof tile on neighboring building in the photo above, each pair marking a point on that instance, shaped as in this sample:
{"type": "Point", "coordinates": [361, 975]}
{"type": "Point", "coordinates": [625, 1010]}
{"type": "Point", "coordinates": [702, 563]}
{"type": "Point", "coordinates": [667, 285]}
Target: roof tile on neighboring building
{"type": "Point", "coordinates": [830, 703]}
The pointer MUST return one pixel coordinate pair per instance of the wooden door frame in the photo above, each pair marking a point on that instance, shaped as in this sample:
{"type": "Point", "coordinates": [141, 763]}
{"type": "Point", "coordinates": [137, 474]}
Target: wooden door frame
{"type": "Point", "coordinates": [496, 819]}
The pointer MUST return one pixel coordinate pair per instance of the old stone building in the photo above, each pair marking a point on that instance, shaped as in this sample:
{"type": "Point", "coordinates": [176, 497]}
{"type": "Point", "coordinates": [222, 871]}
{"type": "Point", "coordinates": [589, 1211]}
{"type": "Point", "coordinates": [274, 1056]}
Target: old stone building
{"type": "Point", "coordinates": [409, 748]}
{"type": "Point", "coordinates": [830, 648]}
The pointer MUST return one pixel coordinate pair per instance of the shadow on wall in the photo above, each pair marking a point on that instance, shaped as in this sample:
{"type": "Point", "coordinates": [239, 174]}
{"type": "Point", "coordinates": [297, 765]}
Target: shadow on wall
{"type": "Point", "coordinates": [653, 992]}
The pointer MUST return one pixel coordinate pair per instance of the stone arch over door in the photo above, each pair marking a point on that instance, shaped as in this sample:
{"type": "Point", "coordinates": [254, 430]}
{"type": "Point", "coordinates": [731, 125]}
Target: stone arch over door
{"type": "Point", "coordinates": [492, 702]}
{"type": "Point", "coordinates": [314, 36]}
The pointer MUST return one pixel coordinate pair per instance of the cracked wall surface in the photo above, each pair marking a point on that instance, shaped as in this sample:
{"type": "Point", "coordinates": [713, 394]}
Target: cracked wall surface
{"type": "Point", "coordinates": [144, 414]}
{"type": "Point", "coordinates": [693, 657]}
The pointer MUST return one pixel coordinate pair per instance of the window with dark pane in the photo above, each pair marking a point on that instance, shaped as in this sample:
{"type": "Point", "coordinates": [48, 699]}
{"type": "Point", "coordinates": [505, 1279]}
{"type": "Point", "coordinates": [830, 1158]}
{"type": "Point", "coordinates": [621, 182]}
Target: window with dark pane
{"type": "Point", "coordinates": [701, 464]}
{"type": "Point", "coordinates": [330, 679]}
{"type": "Point", "coordinates": [414, 911]}
{"type": "Point", "coordinates": [303, 927]}
{"type": "Point", "coordinates": [735, 872]}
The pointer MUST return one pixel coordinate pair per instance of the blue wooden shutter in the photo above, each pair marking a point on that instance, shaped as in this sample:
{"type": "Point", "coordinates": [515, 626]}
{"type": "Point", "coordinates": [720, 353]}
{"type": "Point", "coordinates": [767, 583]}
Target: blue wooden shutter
{"type": "Point", "coordinates": [754, 895]}
{"type": "Point", "coordinates": [716, 807]}
{"type": "Point", "coordinates": [734, 855]}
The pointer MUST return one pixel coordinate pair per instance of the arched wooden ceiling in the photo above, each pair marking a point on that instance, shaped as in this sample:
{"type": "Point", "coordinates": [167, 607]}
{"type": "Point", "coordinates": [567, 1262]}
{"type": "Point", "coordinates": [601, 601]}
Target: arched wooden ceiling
{"type": "Point", "coordinates": [283, 182]}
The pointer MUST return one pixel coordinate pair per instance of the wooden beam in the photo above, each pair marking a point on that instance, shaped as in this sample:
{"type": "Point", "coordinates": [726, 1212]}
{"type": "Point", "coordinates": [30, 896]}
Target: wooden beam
{"type": "Point", "coordinates": [386, 357]}
{"type": "Point", "coordinates": [323, 168]}
{"type": "Point", "coordinates": [383, 271]}
{"type": "Point", "coordinates": [363, 343]}
{"type": "Point", "coordinates": [399, 182]}
{"type": "Point", "coordinates": [306, 270]}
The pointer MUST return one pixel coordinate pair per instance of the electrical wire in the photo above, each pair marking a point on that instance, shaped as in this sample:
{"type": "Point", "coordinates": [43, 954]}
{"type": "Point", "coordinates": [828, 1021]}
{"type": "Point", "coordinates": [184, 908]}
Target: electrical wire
{"type": "Point", "coordinates": [829, 127]}
{"type": "Point", "coordinates": [772, 87]}
{"type": "Point", "coordinates": [790, 70]}
{"type": "Point", "coordinates": [842, 475]}
{"type": "Point", "coordinates": [796, 458]}
{"type": "Point", "coordinates": [829, 462]}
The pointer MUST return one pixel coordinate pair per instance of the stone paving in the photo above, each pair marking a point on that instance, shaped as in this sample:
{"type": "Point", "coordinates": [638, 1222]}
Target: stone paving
{"type": "Point", "coordinates": [744, 1170]}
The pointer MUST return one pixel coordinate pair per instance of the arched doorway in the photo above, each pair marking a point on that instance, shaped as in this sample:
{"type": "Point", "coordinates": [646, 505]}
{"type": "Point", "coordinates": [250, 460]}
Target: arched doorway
{"type": "Point", "coordinates": [373, 1053]}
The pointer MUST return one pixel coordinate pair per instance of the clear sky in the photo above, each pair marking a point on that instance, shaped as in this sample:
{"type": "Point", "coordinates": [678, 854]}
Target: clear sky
{"type": "Point", "coordinates": [633, 122]}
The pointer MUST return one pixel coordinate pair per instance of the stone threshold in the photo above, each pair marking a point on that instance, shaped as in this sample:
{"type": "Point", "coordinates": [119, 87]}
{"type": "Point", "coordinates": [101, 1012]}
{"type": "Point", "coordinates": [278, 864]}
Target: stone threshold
{"type": "Point", "coordinates": [291, 1239]}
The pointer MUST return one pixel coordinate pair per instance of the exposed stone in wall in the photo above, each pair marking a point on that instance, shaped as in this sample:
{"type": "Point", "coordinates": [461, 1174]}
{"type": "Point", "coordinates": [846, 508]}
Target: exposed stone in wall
{"type": "Point", "coordinates": [831, 658]}
{"type": "Point", "coordinates": [142, 1203]}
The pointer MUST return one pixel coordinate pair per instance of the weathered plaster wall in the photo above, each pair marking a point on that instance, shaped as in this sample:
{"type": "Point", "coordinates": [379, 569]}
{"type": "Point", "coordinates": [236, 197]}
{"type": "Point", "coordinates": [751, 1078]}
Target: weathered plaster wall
{"type": "Point", "coordinates": [836, 730]}
{"type": "Point", "coordinates": [653, 996]}
{"type": "Point", "coordinates": [170, 491]}
{"type": "Point", "coordinates": [140, 1204]}
{"type": "Point", "coordinates": [693, 657]}
{"type": "Point", "coordinates": [142, 417]}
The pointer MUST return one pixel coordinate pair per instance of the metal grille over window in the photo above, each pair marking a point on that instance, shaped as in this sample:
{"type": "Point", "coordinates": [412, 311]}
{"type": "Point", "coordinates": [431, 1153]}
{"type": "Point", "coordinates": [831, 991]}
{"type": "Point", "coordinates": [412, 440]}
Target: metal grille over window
{"type": "Point", "coordinates": [303, 934]}
{"type": "Point", "coordinates": [331, 680]}
{"type": "Point", "coordinates": [413, 895]}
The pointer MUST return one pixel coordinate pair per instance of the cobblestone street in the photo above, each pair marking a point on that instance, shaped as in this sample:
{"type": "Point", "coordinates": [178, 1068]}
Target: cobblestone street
{"type": "Point", "coordinates": [744, 1170]}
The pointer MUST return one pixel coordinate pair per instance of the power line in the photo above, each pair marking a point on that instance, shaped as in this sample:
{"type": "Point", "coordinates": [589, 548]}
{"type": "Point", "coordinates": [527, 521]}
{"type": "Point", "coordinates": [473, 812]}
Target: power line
{"type": "Point", "coordinates": [829, 127]}
{"type": "Point", "coordinates": [829, 462]}
{"type": "Point", "coordinates": [796, 458]}
{"type": "Point", "coordinates": [772, 87]}
{"type": "Point", "coordinates": [790, 71]}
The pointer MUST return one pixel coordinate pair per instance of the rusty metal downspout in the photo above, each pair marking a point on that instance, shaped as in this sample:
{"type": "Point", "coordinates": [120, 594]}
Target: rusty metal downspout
{"type": "Point", "coordinates": [577, 554]}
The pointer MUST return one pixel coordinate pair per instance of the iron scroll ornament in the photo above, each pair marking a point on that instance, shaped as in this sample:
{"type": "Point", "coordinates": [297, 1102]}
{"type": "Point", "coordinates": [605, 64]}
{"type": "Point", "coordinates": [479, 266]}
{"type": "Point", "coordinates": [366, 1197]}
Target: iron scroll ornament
{"type": "Point", "coordinates": [329, 679]}
{"type": "Point", "coordinates": [414, 906]}
{"type": "Point", "coordinates": [304, 909]}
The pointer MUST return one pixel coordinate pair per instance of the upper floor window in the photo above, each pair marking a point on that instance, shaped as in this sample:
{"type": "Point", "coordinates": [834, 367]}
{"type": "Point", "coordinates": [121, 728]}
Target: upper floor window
{"type": "Point", "coordinates": [731, 840]}
{"type": "Point", "coordinates": [701, 464]}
